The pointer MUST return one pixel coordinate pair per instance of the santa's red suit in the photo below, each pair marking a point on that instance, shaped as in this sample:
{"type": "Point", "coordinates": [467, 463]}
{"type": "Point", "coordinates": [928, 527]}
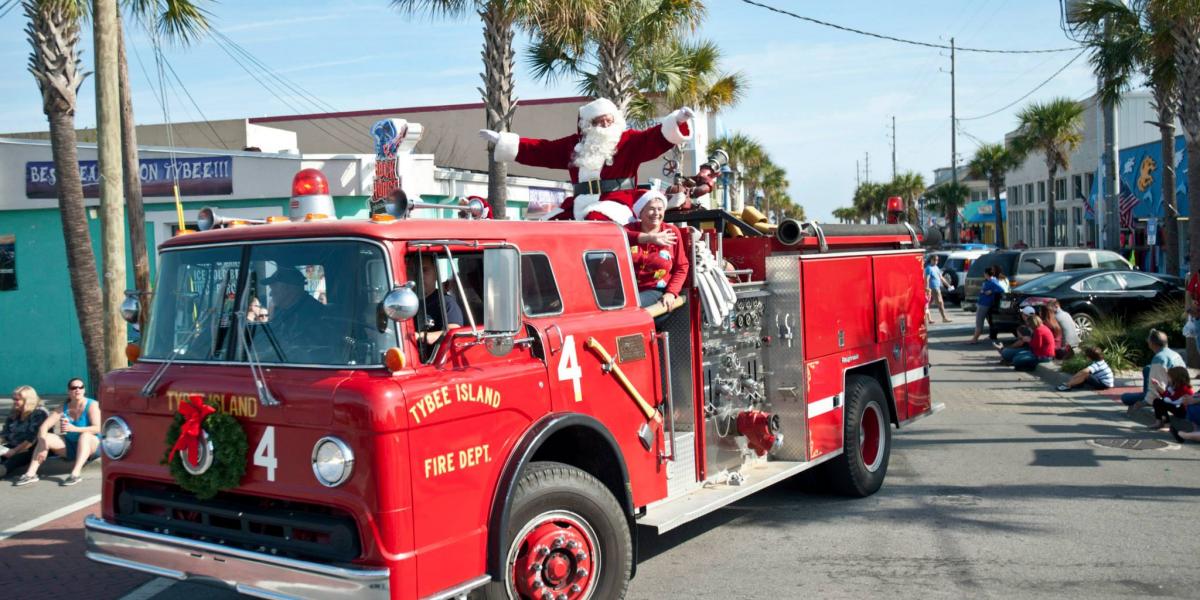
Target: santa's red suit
{"type": "Point", "coordinates": [618, 176]}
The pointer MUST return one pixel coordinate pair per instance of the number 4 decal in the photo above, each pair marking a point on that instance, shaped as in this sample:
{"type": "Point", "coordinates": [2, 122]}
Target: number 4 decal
{"type": "Point", "coordinates": [568, 367]}
{"type": "Point", "coordinates": [264, 454]}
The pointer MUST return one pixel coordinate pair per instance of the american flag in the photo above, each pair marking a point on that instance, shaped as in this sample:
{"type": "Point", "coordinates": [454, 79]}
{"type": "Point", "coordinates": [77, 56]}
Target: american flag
{"type": "Point", "coordinates": [1125, 205]}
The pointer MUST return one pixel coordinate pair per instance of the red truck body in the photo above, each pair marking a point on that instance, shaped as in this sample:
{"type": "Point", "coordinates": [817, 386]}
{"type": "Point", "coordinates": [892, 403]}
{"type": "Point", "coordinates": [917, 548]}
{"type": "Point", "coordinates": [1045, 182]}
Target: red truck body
{"type": "Point", "coordinates": [447, 449]}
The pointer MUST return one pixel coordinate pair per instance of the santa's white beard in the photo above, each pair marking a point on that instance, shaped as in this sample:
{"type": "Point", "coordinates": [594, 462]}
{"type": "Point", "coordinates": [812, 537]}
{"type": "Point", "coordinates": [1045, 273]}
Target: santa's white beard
{"type": "Point", "coordinates": [598, 145]}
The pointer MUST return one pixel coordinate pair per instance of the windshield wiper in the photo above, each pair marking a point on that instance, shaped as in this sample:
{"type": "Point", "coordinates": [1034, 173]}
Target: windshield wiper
{"type": "Point", "coordinates": [204, 321]}
{"type": "Point", "coordinates": [265, 397]}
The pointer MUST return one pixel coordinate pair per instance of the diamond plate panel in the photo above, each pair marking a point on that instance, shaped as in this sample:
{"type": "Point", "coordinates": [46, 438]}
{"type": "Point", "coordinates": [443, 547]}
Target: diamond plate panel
{"type": "Point", "coordinates": [785, 366]}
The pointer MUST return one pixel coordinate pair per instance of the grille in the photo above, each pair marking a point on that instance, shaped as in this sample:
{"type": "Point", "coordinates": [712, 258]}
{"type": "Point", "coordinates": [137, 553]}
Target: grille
{"type": "Point", "coordinates": [279, 527]}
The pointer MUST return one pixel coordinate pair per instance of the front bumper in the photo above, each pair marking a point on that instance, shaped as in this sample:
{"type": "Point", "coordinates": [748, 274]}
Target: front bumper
{"type": "Point", "coordinates": [251, 573]}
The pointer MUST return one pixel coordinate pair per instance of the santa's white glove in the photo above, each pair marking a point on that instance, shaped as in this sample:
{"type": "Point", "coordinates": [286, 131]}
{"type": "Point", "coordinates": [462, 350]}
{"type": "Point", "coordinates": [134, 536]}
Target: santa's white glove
{"type": "Point", "coordinates": [685, 114]}
{"type": "Point", "coordinates": [489, 135]}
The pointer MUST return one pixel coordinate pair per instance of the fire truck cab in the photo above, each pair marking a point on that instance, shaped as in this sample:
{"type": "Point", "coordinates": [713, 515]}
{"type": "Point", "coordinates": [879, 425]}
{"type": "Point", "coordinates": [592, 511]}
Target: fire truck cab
{"type": "Point", "coordinates": [444, 408]}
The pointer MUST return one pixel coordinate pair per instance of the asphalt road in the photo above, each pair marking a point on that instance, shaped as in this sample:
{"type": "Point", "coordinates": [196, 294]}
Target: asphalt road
{"type": "Point", "coordinates": [1006, 493]}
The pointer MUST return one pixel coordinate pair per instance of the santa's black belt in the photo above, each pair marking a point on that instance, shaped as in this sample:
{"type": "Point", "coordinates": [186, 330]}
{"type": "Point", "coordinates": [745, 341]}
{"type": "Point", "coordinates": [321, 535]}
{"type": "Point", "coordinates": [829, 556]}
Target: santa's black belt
{"type": "Point", "coordinates": [603, 186]}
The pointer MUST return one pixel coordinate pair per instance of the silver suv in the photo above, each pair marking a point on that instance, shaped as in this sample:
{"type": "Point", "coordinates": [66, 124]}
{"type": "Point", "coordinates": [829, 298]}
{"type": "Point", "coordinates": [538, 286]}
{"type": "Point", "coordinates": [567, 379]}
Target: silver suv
{"type": "Point", "coordinates": [1026, 265]}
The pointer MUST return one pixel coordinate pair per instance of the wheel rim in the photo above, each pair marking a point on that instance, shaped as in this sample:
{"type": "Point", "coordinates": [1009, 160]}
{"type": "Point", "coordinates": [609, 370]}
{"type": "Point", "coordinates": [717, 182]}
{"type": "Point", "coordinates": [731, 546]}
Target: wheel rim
{"type": "Point", "coordinates": [871, 438]}
{"type": "Point", "coordinates": [555, 556]}
{"type": "Point", "coordinates": [1084, 324]}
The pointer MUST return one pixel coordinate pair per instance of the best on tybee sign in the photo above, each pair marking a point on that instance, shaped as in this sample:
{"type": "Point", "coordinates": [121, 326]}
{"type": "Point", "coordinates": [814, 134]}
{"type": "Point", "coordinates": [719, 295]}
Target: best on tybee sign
{"type": "Point", "coordinates": [198, 176]}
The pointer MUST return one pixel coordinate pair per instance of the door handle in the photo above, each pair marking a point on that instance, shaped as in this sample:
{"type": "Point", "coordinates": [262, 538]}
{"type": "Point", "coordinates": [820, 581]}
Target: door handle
{"type": "Point", "coordinates": [561, 340]}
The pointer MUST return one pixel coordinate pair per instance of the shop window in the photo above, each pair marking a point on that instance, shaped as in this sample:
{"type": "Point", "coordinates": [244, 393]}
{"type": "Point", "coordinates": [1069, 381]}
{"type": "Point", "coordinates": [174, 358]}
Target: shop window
{"type": "Point", "coordinates": [605, 276]}
{"type": "Point", "coordinates": [8, 263]}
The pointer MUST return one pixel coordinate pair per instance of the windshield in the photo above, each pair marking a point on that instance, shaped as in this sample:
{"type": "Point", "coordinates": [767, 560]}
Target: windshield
{"type": "Point", "coordinates": [313, 303]}
{"type": "Point", "coordinates": [1041, 285]}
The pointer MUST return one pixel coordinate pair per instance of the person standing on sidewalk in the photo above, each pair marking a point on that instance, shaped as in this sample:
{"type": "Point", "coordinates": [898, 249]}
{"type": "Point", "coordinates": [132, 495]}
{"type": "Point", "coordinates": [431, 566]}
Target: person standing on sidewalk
{"type": "Point", "coordinates": [21, 428]}
{"type": "Point", "coordinates": [80, 439]}
{"type": "Point", "coordinates": [986, 304]}
{"type": "Point", "coordinates": [935, 280]}
{"type": "Point", "coordinates": [1168, 358]}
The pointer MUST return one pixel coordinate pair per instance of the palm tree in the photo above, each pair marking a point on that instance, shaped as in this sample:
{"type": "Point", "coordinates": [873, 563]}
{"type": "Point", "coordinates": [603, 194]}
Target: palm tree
{"type": "Point", "coordinates": [948, 198]}
{"type": "Point", "coordinates": [611, 55]}
{"type": "Point", "coordinates": [1053, 128]}
{"type": "Point", "coordinates": [179, 21]}
{"type": "Point", "coordinates": [846, 214]}
{"type": "Point", "coordinates": [1127, 41]}
{"type": "Point", "coordinates": [681, 73]}
{"type": "Point", "coordinates": [993, 162]}
{"type": "Point", "coordinates": [909, 185]}
{"type": "Point", "coordinates": [53, 32]}
{"type": "Point", "coordinates": [500, 17]}
{"type": "Point", "coordinates": [1184, 19]}
{"type": "Point", "coordinates": [746, 155]}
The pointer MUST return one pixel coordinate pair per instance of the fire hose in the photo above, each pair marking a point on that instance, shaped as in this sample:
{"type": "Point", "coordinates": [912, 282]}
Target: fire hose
{"type": "Point", "coordinates": [716, 294]}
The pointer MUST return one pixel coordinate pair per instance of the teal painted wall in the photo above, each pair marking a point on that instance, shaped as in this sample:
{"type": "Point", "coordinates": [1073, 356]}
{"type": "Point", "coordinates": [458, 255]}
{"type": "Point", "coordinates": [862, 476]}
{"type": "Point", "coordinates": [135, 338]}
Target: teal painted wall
{"type": "Point", "coordinates": [39, 335]}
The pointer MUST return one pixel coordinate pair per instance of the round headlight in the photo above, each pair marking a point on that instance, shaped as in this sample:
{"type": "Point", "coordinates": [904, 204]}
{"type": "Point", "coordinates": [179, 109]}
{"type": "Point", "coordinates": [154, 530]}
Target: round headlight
{"type": "Point", "coordinates": [332, 461]}
{"type": "Point", "coordinates": [117, 438]}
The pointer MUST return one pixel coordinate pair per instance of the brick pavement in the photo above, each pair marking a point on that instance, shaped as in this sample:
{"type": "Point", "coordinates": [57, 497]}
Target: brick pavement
{"type": "Point", "coordinates": [47, 563]}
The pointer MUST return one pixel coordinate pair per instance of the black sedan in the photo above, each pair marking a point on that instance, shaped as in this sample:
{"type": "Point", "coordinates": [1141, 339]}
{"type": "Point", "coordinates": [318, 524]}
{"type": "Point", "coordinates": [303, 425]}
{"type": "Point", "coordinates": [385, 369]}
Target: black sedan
{"type": "Point", "coordinates": [1090, 295]}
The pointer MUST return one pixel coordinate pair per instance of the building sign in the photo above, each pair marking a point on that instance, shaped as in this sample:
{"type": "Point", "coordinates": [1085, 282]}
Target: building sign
{"type": "Point", "coordinates": [389, 134]}
{"type": "Point", "coordinates": [1141, 179]}
{"type": "Point", "coordinates": [198, 176]}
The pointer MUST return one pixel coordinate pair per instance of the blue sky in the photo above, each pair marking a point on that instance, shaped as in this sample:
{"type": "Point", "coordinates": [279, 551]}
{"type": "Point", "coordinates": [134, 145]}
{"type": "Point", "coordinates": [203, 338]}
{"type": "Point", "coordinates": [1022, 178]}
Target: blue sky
{"type": "Point", "coordinates": [819, 99]}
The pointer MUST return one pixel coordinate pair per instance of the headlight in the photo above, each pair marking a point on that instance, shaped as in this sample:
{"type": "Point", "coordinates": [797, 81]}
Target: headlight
{"type": "Point", "coordinates": [117, 438]}
{"type": "Point", "coordinates": [332, 461]}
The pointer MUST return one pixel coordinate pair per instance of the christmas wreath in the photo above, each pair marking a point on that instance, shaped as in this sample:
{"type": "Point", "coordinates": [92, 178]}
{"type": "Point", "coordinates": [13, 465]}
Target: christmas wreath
{"type": "Point", "coordinates": [197, 416]}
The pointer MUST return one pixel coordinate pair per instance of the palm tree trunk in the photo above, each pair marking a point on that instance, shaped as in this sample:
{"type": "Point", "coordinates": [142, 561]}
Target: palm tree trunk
{"type": "Point", "coordinates": [999, 215]}
{"type": "Point", "coordinates": [1185, 29]}
{"type": "Point", "coordinates": [1051, 232]}
{"type": "Point", "coordinates": [614, 74]}
{"type": "Point", "coordinates": [497, 94]}
{"type": "Point", "coordinates": [135, 211]}
{"type": "Point", "coordinates": [81, 263]}
{"type": "Point", "coordinates": [1166, 129]}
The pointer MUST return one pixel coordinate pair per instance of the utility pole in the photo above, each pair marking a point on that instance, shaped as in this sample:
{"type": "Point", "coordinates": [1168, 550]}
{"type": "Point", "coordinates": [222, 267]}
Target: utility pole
{"type": "Point", "coordinates": [893, 147]}
{"type": "Point", "coordinates": [112, 204]}
{"type": "Point", "coordinates": [1112, 176]}
{"type": "Point", "coordinates": [867, 168]}
{"type": "Point", "coordinates": [857, 175]}
{"type": "Point", "coordinates": [953, 216]}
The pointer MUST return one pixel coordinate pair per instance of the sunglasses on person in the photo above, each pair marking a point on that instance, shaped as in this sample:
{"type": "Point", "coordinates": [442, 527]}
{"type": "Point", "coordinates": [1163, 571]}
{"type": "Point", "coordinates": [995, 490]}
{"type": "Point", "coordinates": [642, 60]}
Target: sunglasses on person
{"type": "Point", "coordinates": [75, 387]}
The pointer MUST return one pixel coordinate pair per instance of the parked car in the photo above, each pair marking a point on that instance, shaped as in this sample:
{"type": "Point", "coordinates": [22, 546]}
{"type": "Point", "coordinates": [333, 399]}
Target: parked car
{"type": "Point", "coordinates": [1090, 295]}
{"type": "Point", "coordinates": [954, 264]}
{"type": "Point", "coordinates": [1022, 266]}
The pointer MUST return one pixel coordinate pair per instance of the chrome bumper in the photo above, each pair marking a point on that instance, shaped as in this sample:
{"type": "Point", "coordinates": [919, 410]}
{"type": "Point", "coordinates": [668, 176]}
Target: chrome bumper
{"type": "Point", "coordinates": [250, 573]}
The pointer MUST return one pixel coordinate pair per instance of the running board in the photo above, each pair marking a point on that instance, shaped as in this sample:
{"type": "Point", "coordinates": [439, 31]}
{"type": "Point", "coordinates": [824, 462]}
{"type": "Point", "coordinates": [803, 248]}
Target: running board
{"type": "Point", "coordinates": [671, 513]}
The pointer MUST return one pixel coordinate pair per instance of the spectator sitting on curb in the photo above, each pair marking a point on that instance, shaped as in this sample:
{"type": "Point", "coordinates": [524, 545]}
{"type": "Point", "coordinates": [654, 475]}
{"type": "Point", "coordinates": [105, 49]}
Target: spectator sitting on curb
{"type": "Point", "coordinates": [1170, 397]}
{"type": "Point", "coordinates": [1168, 358]}
{"type": "Point", "coordinates": [1023, 334]}
{"type": "Point", "coordinates": [1070, 331]}
{"type": "Point", "coordinates": [80, 439]}
{"type": "Point", "coordinates": [1041, 347]}
{"type": "Point", "coordinates": [21, 427]}
{"type": "Point", "coordinates": [1192, 404]}
{"type": "Point", "coordinates": [1046, 314]}
{"type": "Point", "coordinates": [1097, 374]}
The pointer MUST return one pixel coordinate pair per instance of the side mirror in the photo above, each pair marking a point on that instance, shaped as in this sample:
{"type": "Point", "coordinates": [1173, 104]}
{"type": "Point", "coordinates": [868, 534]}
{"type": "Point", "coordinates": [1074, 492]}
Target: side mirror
{"type": "Point", "coordinates": [501, 281]}
{"type": "Point", "coordinates": [401, 303]}
{"type": "Point", "coordinates": [131, 308]}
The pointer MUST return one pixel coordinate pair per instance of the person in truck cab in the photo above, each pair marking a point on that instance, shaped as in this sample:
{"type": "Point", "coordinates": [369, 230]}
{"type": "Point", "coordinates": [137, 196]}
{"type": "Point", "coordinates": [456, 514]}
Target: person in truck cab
{"type": "Point", "coordinates": [660, 261]}
{"type": "Point", "coordinates": [296, 319]}
{"type": "Point", "coordinates": [435, 323]}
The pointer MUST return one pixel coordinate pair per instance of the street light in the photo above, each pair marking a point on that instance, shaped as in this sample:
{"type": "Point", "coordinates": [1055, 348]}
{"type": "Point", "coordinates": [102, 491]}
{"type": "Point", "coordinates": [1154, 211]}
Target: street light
{"type": "Point", "coordinates": [760, 198]}
{"type": "Point", "coordinates": [725, 173]}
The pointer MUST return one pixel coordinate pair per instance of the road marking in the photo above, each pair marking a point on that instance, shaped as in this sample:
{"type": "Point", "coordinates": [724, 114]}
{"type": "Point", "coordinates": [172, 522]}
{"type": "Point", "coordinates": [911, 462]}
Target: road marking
{"type": "Point", "coordinates": [46, 518]}
{"type": "Point", "coordinates": [149, 589]}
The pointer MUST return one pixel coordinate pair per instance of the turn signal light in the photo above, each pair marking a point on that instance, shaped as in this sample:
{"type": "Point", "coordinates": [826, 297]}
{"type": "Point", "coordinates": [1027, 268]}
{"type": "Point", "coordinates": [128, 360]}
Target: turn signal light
{"type": "Point", "coordinates": [393, 359]}
{"type": "Point", "coordinates": [133, 352]}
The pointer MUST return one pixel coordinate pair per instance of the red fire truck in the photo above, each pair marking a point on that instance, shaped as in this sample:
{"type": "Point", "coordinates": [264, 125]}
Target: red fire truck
{"type": "Point", "coordinates": [393, 452]}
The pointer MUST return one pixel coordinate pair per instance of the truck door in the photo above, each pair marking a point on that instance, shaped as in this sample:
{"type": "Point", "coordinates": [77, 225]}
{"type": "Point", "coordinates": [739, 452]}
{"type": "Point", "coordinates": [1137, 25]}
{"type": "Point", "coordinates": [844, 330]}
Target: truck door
{"type": "Point", "coordinates": [900, 318]}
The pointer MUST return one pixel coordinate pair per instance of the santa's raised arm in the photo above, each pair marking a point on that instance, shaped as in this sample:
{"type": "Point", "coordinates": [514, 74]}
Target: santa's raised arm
{"type": "Point", "coordinates": [602, 158]}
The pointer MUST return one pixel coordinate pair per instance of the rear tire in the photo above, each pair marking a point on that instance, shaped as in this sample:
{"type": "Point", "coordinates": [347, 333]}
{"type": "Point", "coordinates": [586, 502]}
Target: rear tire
{"type": "Point", "coordinates": [1085, 323]}
{"type": "Point", "coordinates": [867, 442]}
{"type": "Point", "coordinates": [567, 535]}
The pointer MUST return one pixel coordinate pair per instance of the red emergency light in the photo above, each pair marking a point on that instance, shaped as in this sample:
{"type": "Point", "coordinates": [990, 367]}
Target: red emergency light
{"type": "Point", "coordinates": [895, 206]}
{"type": "Point", "coordinates": [310, 182]}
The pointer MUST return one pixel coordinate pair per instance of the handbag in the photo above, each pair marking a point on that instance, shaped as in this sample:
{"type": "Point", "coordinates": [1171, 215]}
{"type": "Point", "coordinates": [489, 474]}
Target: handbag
{"type": "Point", "coordinates": [1190, 329]}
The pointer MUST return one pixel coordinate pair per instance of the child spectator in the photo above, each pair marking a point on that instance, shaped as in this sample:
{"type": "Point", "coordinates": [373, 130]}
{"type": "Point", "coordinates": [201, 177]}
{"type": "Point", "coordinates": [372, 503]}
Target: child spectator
{"type": "Point", "coordinates": [1192, 406]}
{"type": "Point", "coordinates": [20, 431]}
{"type": "Point", "coordinates": [1097, 374]}
{"type": "Point", "coordinates": [1170, 400]}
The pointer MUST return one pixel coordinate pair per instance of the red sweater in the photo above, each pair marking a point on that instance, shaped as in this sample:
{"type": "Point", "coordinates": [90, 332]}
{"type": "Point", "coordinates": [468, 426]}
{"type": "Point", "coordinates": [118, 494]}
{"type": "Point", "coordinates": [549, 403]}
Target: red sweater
{"type": "Point", "coordinates": [1042, 343]}
{"type": "Point", "coordinates": [658, 267]}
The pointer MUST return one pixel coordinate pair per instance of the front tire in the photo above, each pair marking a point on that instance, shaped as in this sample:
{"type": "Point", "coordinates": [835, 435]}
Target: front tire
{"type": "Point", "coordinates": [867, 445]}
{"type": "Point", "coordinates": [1085, 323]}
{"type": "Point", "coordinates": [567, 538]}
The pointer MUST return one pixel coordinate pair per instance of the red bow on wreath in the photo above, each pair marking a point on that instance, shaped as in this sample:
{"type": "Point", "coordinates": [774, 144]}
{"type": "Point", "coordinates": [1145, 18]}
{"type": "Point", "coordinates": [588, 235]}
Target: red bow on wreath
{"type": "Point", "coordinates": [194, 410]}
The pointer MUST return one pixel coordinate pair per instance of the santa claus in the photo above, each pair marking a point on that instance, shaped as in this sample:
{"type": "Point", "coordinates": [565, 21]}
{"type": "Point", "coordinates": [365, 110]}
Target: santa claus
{"type": "Point", "coordinates": [602, 158]}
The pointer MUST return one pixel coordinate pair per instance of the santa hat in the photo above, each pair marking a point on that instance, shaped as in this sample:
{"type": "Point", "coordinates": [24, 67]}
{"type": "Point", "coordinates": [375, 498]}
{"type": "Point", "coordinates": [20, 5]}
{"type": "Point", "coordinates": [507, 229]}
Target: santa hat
{"type": "Point", "coordinates": [596, 108]}
{"type": "Point", "coordinates": [645, 199]}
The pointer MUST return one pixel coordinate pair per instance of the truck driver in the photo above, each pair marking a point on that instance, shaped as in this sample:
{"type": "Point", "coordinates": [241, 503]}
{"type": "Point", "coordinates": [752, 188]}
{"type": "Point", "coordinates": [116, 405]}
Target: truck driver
{"type": "Point", "coordinates": [296, 320]}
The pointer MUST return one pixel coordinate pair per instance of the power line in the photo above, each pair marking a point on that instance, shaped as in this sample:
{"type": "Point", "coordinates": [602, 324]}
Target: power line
{"type": "Point", "coordinates": [901, 40]}
{"type": "Point", "coordinates": [1029, 93]}
{"type": "Point", "coordinates": [8, 7]}
{"type": "Point", "coordinates": [203, 117]}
